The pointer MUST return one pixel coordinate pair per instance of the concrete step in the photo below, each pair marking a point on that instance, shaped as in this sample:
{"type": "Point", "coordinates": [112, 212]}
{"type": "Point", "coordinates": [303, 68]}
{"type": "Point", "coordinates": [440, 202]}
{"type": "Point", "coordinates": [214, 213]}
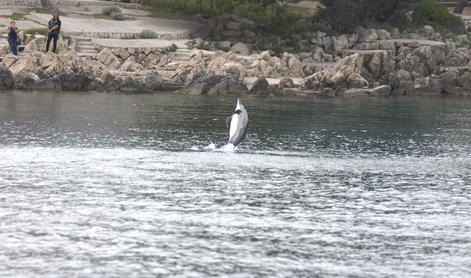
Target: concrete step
{"type": "Point", "coordinates": [183, 50]}
{"type": "Point", "coordinates": [181, 55]}
{"type": "Point", "coordinates": [84, 43]}
{"type": "Point", "coordinates": [83, 47]}
{"type": "Point", "coordinates": [90, 52]}
{"type": "Point", "coordinates": [83, 54]}
{"type": "Point", "coordinates": [180, 59]}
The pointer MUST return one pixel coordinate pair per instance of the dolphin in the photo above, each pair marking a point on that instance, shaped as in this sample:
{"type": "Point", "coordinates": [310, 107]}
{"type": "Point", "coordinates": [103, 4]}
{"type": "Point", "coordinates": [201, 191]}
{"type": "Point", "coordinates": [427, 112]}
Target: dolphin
{"type": "Point", "coordinates": [237, 124]}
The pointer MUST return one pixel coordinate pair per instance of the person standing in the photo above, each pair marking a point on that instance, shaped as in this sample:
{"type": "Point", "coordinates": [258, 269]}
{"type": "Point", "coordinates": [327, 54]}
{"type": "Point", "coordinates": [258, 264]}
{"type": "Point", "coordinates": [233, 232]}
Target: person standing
{"type": "Point", "coordinates": [13, 38]}
{"type": "Point", "coordinates": [54, 28]}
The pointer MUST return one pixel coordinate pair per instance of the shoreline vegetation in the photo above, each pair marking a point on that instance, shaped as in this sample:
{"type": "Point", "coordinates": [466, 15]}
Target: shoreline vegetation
{"type": "Point", "coordinates": [257, 47]}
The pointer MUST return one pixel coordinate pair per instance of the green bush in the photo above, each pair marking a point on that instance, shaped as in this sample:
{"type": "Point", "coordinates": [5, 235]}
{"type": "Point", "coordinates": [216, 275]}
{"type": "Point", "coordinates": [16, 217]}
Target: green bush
{"type": "Point", "coordinates": [148, 34]}
{"type": "Point", "coordinates": [172, 48]}
{"type": "Point", "coordinates": [191, 44]}
{"type": "Point", "coordinates": [341, 16]}
{"type": "Point", "coordinates": [117, 16]}
{"type": "Point", "coordinates": [429, 13]}
{"type": "Point", "coordinates": [345, 15]}
{"type": "Point", "coordinates": [111, 10]}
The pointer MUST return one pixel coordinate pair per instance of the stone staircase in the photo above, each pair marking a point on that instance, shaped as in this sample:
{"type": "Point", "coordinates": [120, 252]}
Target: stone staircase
{"type": "Point", "coordinates": [85, 47]}
{"type": "Point", "coordinates": [176, 59]}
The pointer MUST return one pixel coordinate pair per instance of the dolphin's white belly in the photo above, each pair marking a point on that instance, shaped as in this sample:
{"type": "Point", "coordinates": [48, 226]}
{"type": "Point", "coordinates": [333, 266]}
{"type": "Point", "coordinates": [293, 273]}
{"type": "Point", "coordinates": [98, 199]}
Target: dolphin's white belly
{"type": "Point", "coordinates": [238, 125]}
{"type": "Point", "coordinates": [235, 126]}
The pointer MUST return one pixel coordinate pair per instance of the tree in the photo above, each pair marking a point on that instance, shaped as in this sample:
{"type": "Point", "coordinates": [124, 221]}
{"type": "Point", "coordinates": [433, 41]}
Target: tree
{"type": "Point", "coordinates": [460, 5]}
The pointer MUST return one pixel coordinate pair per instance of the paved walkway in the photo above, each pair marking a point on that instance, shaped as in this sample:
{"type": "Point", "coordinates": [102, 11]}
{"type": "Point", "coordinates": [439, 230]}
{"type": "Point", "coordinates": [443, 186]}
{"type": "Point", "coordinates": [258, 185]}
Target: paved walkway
{"type": "Point", "coordinates": [21, 24]}
{"type": "Point", "coordinates": [139, 43]}
{"type": "Point", "coordinates": [83, 24]}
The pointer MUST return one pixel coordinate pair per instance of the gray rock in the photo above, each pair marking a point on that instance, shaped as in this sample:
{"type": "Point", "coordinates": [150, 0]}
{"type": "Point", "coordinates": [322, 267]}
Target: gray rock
{"type": "Point", "coordinates": [450, 77]}
{"type": "Point", "coordinates": [225, 45]}
{"type": "Point", "coordinates": [286, 82]}
{"type": "Point", "coordinates": [233, 26]}
{"type": "Point", "coordinates": [49, 84]}
{"type": "Point", "coordinates": [373, 45]}
{"type": "Point", "coordinates": [367, 35]}
{"type": "Point", "coordinates": [465, 81]}
{"type": "Point", "coordinates": [426, 31]}
{"type": "Point", "coordinates": [74, 81]}
{"type": "Point", "coordinates": [249, 34]}
{"type": "Point", "coordinates": [6, 78]}
{"type": "Point", "coordinates": [387, 45]}
{"type": "Point", "coordinates": [26, 81]}
{"type": "Point", "coordinates": [241, 49]}
{"type": "Point", "coordinates": [340, 42]}
{"type": "Point", "coordinates": [260, 86]}
{"type": "Point", "coordinates": [383, 34]}
{"type": "Point", "coordinates": [401, 79]}
{"type": "Point", "coordinates": [327, 43]}
{"type": "Point", "coordinates": [436, 36]}
{"type": "Point", "coordinates": [395, 34]}
{"type": "Point", "coordinates": [229, 86]}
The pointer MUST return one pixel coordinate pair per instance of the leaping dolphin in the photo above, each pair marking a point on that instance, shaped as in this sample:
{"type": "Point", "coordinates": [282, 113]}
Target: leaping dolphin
{"type": "Point", "coordinates": [237, 124]}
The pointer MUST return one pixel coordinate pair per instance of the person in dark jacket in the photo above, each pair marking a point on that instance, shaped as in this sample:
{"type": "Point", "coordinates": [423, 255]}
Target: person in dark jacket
{"type": "Point", "coordinates": [13, 37]}
{"type": "Point", "coordinates": [54, 28]}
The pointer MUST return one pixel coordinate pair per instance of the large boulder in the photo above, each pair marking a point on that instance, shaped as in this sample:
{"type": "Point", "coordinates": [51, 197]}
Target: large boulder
{"type": "Point", "coordinates": [9, 60]}
{"type": "Point", "coordinates": [340, 43]}
{"type": "Point", "coordinates": [130, 65]}
{"type": "Point", "coordinates": [229, 86]}
{"type": "Point", "coordinates": [108, 59]}
{"type": "Point", "coordinates": [25, 64]}
{"type": "Point", "coordinates": [344, 74]}
{"type": "Point", "coordinates": [6, 78]}
{"type": "Point", "coordinates": [235, 69]}
{"type": "Point", "coordinates": [216, 85]}
{"type": "Point", "coordinates": [26, 81]}
{"type": "Point", "coordinates": [295, 67]}
{"type": "Point", "coordinates": [240, 48]}
{"type": "Point", "coordinates": [367, 35]}
{"type": "Point", "coordinates": [37, 44]}
{"type": "Point", "coordinates": [286, 82]}
{"type": "Point", "coordinates": [121, 52]}
{"type": "Point", "coordinates": [74, 81]}
{"type": "Point", "coordinates": [202, 85]}
{"type": "Point", "coordinates": [260, 86]}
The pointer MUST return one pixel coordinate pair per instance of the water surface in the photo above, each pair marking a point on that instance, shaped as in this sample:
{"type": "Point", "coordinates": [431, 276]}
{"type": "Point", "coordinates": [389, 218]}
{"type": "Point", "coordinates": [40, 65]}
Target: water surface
{"type": "Point", "coordinates": [116, 185]}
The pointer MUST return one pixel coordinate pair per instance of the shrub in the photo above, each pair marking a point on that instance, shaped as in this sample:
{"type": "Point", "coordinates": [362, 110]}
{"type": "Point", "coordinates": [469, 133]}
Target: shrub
{"type": "Point", "coordinates": [191, 44]}
{"type": "Point", "coordinates": [117, 16]}
{"type": "Point", "coordinates": [172, 48]}
{"type": "Point", "coordinates": [340, 16]}
{"type": "Point", "coordinates": [438, 16]}
{"type": "Point", "coordinates": [111, 10]}
{"type": "Point", "coordinates": [346, 15]}
{"type": "Point", "coordinates": [148, 34]}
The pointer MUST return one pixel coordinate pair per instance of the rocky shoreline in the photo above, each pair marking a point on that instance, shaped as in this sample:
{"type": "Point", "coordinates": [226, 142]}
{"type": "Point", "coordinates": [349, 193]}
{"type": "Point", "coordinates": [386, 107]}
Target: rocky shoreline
{"type": "Point", "coordinates": [368, 63]}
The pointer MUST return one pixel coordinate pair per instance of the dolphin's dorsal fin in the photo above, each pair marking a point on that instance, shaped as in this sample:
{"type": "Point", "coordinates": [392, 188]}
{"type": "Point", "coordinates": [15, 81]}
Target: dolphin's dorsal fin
{"type": "Point", "coordinates": [228, 121]}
